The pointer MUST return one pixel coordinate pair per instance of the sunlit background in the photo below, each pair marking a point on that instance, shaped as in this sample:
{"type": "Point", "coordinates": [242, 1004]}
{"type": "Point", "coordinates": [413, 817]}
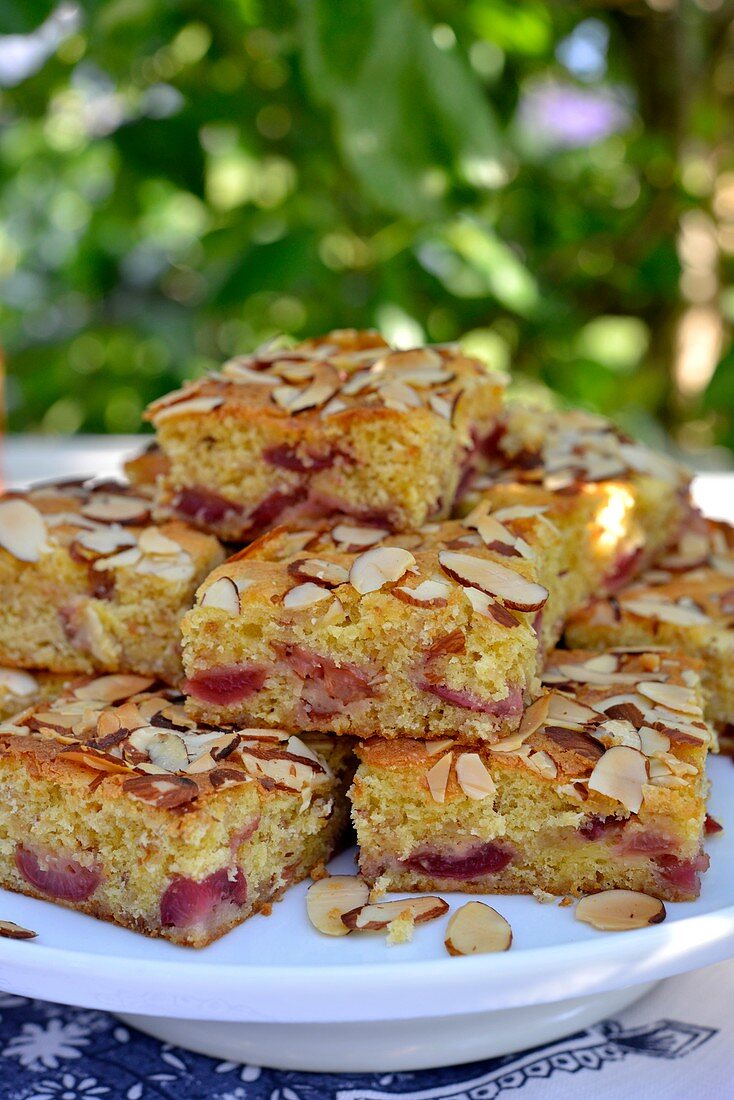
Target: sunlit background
{"type": "Point", "coordinates": [179, 181]}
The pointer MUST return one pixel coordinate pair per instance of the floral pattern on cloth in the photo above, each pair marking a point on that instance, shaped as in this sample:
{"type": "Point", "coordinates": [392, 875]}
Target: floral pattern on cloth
{"type": "Point", "coordinates": [55, 1052]}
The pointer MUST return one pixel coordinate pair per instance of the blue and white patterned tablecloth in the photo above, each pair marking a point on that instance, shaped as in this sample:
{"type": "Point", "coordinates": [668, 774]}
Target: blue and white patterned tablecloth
{"type": "Point", "coordinates": [676, 1044]}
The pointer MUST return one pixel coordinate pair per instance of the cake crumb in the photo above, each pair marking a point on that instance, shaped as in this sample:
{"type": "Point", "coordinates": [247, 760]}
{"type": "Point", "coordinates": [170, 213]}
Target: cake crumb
{"type": "Point", "coordinates": [319, 872]}
{"type": "Point", "coordinates": [379, 889]}
{"type": "Point", "coordinates": [266, 909]}
{"type": "Point", "coordinates": [543, 896]}
{"type": "Point", "coordinates": [400, 930]}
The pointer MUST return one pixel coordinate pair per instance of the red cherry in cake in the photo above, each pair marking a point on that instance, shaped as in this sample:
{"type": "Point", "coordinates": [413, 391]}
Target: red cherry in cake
{"type": "Point", "coordinates": [481, 859]}
{"type": "Point", "coordinates": [58, 876]}
{"type": "Point", "coordinates": [203, 506]}
{"type": "Point", "coordinates": [187, 902]}
{"type": "Point", "coordinates": [226, 684]}
{"type": "Point", "coordinates": [467, 700]}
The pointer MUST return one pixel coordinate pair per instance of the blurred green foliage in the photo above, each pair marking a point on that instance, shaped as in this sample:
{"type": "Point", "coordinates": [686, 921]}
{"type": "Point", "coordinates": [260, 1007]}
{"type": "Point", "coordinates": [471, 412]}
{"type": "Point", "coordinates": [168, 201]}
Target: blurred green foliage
{"type": "Point", "coordinates": [179, 181]}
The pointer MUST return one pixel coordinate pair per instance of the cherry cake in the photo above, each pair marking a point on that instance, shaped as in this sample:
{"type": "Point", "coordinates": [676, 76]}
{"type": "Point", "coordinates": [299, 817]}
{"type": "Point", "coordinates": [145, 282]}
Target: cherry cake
{"type": "Point", "coordinates": [603, 786]}
{"type": "Point", "coordinates": [90, 584]}
{"type": "Point", "coordinates": [119, 805]}
{"type": "Point", "coordinates": [418, 634]}
{"type": "Point", "coordinates": [342, 424]}
{"type": "Point", "coordinates": [644, 495]}
{"type": "Point", "coordinates": [685, 601]}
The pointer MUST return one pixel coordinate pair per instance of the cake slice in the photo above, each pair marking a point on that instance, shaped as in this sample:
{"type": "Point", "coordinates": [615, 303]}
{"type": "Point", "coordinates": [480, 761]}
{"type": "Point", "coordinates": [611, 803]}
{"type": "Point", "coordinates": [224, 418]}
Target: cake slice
{"type": "Point", "coordinates": [340, 424]}
{"type": "Point", "coordinates": [642, 496]}
{"type": "Point", "coordinates": [686, 602]}
{"type": "Point", "coordinates": [117, 804]}
{"type": "Point", "coordinates": [88, 583]}
{"type": "Point", "coordinates": [420, 634]}
{"type": "Point", "coordinates": [603, 787]}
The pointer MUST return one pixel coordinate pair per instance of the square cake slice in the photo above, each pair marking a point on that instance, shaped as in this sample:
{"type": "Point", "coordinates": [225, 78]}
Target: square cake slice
{"type": "Point", "coordinates": [117, 804]}
{"type": "Point", "coordinates": [686, 602]}
{"type": "Point", "coordinates": [426, 632]}
{"type": "Point", "coordinates": [88, 583]}
{"type": "Point", "coordinates": [603, 787]}
{"type": "Point", "coordinates": [341, 424]}
{"type": "Point", "coordinates": [642, 496]}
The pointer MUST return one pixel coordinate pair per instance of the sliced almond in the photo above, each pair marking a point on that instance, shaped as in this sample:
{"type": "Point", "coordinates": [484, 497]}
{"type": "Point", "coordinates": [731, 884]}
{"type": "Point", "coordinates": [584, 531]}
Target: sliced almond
{"type": "Point", "coordinates": [123, 560]}
{"type": "Point", "coordinates": [437, 777]}
{"type": "Point", "coordinates": [114, 688]}
{"type": "Point", "coordinates": [101, 542]}
{"type": "Point", "coordinates": [428, 593]}
{"type": "Point", "coordinates": [473, 777]}
{"type": "Point", "coordinates": [399, 396]}
{"type": "Point", "coordinates": [328, 899]}
{"type": "Point", "coordinates": [168, 751]}
{"type": "Point", "coordinates": [165, 792]}
{"type": "Point", "coordinates": [666, 611]}
{"type": "Point", "coordinates": [653, 741]}
{"type": "Point", "coordinates": [324, 386]}
{"type": "Point", "coordinates": [605, 662]}
{"type": "Point", "coordinates": [562, 709]}
{"type": "Point", "coordinates": [519, 511]}
{"type": "Point", "coordinates": [22, 530]}
{"type": "Point", "coordinates": [95, 761]}
{"type": "Point", "coordinates": [116, 508]}
{"type": "Point", "coordinates": [352, 535]}
{"type": "Point", "coordinates": [305, 595]}
{"type": "Point", "coordinates": [9, 930]}
{"type": "Point", "coordinates": [675, 696]}
{"type": "Point", "coordinates": [433, 748]}
{"type": "Point", "coordinates": [327, 573]}
{"type": "Point", "coordinates": [190, 407]}
{"type": "Point", "coordinates": [543, 764]}
{"type": "Point", "coordinates": [441, 405]}
{"type": "Point", "coordinates": [489, 527]}
{"type": "Point", "coordinates": [375, 918]}
{"type": "Point", "coordinates": [490, 608]}
{"type": "Point", "coordinates": [151, 541]}
{"type": "Point", "coordinates": [494, 579]}
{"type": "Point", "coordinates": [379, 566]}
{"type": "Point", "coordinates": [535, 716]}
{"type": "Point", "coordinates": [241, 371]}
{"type": "Point", "coordinates": [621, 773]}
{"type": "Point", "coordinates": [17, 683]}
{"type": "Point", "coordinates": [620, 910]}
{"type": "Point", "coordinates": [477, 929]}
{"type": "Point", "coordinates": [224, 594]}
{"type": "Point", "coordinates": [334, 613]}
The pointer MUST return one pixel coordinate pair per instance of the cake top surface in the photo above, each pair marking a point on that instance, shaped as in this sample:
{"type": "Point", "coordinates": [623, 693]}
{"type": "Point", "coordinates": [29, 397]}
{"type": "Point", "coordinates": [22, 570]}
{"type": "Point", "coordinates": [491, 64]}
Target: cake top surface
{"type": "Point", "coordinates": [106, 525]}
{"type": "Point", "coordinates": [691, 586]}
{"type": "Point", "coordinates": [135, 730]}
{"type": "Point", "coordinates": [616, 724]}
{"type": "Point", "coordinates": [562, 449]}
{"type": "Point", "coordinates": [337, 373]}
{"type": "Point", "coordinates": [489, 559]}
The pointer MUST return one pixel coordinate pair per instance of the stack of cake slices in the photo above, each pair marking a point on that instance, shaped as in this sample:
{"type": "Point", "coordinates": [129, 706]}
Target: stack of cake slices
{"type": "Point", "coordinates": [336, 556]}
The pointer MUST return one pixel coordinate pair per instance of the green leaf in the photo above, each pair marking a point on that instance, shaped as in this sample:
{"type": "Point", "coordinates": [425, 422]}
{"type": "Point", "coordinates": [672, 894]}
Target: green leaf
{"type": "Point", "coordinates": [517, 26]}
{"type": "Point", "coordinates": [412, 120]}
{"type": "Point", "coordinates": [472, 262]}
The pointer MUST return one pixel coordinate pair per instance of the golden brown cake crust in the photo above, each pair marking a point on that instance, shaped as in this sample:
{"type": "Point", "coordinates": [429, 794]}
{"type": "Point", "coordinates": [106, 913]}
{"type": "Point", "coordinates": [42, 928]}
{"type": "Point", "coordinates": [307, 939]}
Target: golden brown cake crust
{"type": "Point", "coordinates": [685, 601]}
{"type": "Point", "coordinates": [344, 424]}
{"type": "Point", "coordinates": [426, 629]}
{"type": "Point", "coordinates": [146, 819]}
{"type": "Point", "coordinates": [91, 584]}
{"type": "Point", "coordinates": [604, 786]}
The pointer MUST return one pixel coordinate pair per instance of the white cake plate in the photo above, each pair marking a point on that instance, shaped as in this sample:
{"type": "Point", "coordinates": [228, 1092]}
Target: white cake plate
{"type": "Point", "coordinates": [274, 992]}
